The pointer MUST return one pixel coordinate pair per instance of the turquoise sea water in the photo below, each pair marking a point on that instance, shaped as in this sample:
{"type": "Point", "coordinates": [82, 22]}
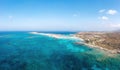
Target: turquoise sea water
{"type": "Point", "coordinates": [25, 51]}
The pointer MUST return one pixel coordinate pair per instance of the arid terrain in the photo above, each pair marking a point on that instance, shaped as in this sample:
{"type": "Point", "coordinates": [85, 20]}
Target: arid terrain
{"type": "Point", "coordinates": [105, 40]}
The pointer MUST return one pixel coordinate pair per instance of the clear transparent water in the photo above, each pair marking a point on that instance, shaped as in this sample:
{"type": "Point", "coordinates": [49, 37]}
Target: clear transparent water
{"type": "Point", "coordinates": [25, 51]}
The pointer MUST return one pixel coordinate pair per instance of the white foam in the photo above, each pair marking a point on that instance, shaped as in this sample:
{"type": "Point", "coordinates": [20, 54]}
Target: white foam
{"type": "Point", "coordinates": [34, 32]}
{"type": "Point", "coordinates": [58, 36]}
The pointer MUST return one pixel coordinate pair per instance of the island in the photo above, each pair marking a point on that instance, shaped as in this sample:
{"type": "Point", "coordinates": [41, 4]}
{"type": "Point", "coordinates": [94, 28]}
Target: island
{"type": "Point", "coordinates": [108, 41]}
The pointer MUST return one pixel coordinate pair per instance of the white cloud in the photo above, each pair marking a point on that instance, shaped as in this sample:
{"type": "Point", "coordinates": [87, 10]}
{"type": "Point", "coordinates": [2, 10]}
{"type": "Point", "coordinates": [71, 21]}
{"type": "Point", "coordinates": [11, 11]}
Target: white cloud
{"type": "Point", "coordinates": [75, 15]}
{"type": "Point", "coordinates": [104, 18]}
{"type": "Point", "coordinates": [102, 10]}
{"type": "Point", "coordinates": [10, 17]}
{"type": "Point", "coordinates": [112, 12]}
{"type": "Point", "coordinates": [115, 25]}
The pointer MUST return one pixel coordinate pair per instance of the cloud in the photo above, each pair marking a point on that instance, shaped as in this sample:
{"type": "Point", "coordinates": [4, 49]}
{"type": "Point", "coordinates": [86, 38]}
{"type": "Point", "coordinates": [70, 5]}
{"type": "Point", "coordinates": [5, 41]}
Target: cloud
{"type": "Point", "coordinates": [75, 15]}
{"type": "Point", "coordinates": [115, 25]}
{"type": "Point", "coordinates": [104, 18]}
{"type": "Point", "coordinates": [102, 10]}
{"type": "Point", "coordinates": [112, 12]}
{"type": "Point", "coordinates": [10, 17]}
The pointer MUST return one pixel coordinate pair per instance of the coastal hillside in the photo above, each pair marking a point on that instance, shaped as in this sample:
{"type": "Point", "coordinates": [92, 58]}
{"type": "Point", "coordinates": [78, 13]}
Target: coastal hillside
{"type": "Point", "coordinates": [105, 40]}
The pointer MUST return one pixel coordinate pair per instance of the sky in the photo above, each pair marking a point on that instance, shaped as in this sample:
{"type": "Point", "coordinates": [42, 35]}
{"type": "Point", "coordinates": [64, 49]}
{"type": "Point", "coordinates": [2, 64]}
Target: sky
{"type": "Point", "coordinates": [59, 15]}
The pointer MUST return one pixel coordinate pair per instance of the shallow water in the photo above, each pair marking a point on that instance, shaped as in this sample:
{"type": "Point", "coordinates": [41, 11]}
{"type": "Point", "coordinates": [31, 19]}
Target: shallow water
{"type": "Point", "coordinates": [25, 51]}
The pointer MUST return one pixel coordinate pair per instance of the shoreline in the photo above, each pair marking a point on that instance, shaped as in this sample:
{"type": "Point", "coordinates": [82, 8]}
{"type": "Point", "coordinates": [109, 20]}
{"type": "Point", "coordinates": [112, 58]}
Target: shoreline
{"type": "Point", "coordinates": [59, 36]}
{"type": "Point", "coordinates": [107, 41]}
{"type": "Point", "coordinates": [98, 47]}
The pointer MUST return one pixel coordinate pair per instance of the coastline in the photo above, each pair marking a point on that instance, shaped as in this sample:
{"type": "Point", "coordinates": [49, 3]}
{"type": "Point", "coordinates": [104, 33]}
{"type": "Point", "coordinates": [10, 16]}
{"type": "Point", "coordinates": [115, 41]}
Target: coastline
{"type": "Point", "coordinates": [83, 41]}
{"type": "Point", "coordinates": [89, 41]}
{"type": "Point", "coordinates": [57, 36]}
{"type": "Point", "coordinates": [101, 48]}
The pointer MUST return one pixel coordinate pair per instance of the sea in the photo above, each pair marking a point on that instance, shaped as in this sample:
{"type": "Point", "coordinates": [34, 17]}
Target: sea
{"type": "Point", "coordinates": [35, 51]}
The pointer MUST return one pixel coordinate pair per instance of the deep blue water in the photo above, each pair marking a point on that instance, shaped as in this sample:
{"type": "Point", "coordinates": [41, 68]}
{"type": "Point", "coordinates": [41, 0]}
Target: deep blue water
{"type": "Point", "coordinates": [25, 51]}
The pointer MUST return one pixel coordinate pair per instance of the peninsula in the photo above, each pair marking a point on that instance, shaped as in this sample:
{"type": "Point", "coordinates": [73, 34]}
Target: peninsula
{"type": "Point", "coordinates": [108, 41]}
